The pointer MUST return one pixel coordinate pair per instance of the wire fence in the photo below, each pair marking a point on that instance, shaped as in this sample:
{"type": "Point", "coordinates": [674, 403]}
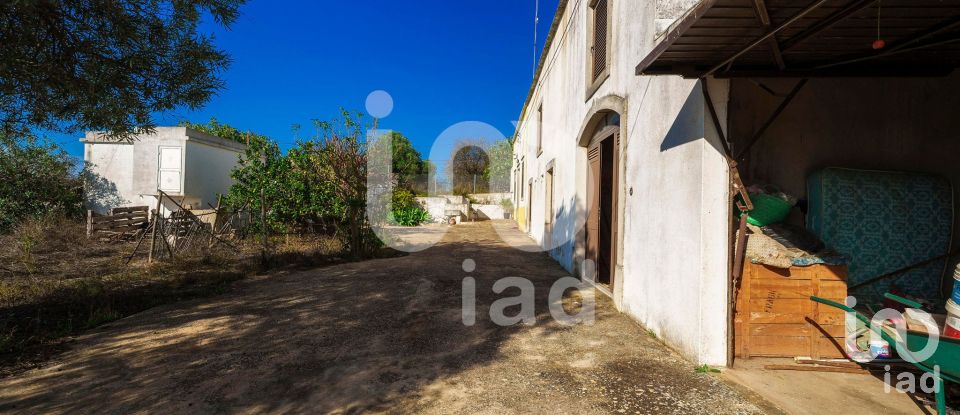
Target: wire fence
{"type": "Point", "coordinates": [474, 183]}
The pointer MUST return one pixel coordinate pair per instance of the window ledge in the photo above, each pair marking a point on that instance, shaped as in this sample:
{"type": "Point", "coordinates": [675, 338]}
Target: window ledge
{"type": "Point", "coordinates": [595, 85]}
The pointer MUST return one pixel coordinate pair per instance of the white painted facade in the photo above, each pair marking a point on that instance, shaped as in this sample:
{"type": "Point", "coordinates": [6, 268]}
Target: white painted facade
{"type": "Point", "coordinates": [672, 262]}
{"type": "Point", "coordinates": [189, 165]}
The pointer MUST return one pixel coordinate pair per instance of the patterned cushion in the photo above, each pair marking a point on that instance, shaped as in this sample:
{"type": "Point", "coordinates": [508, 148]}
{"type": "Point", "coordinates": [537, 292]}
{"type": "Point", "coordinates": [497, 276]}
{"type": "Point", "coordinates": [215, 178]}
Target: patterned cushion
{"type": "Point", "coordinates": [884, 221]}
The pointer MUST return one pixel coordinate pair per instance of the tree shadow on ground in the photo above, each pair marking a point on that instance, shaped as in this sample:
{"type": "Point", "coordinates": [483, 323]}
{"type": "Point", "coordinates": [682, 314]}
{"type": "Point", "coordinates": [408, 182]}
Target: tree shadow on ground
{"type": "Point", "coordinates": [342, 339]}
{"type": "Point", "coordinates": [75, 288]}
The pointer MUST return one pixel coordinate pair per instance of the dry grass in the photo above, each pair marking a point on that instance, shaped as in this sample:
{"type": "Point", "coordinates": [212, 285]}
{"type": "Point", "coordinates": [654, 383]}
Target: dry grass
{"type": "Point", "coordinates": [54, 282]}
{"type": "Point", "coordinates": [305, 251]}
{"type": "Point", "coordinates": [51, 247]}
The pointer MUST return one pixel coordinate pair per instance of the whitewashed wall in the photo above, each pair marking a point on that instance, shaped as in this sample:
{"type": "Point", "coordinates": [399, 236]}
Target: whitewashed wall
{"type": "Point", "coordinates": [487, 212]}
{"type": "Point", "coordinates": [108, 161]}
{"type": "Point", "coordinates": [207, 172]}
{"type": "Point", "coordinates": [132, 167]}
{"type": "Point", "coordinates": [435, 206]}
{"type": "Point", "coordinates": [672, 266]}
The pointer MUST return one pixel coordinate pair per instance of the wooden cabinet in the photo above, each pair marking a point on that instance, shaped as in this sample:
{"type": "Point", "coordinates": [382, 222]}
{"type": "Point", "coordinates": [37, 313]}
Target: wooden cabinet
{"type": "Point", "coordinates": [774, 316]}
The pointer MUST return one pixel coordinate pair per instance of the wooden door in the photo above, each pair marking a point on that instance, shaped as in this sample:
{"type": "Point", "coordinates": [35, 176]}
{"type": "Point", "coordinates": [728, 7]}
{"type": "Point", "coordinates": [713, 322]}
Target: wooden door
{"type": "Point", "coordinates": [609, 176]}
{"type": "Point", "coordinates": [601, 226]}
{"type": "Point", "coordinates": [593, 210]}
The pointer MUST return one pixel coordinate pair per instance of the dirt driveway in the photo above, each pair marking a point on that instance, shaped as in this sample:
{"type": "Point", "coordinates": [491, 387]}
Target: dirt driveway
{"type": "Point", "coordinates": [381, 336]}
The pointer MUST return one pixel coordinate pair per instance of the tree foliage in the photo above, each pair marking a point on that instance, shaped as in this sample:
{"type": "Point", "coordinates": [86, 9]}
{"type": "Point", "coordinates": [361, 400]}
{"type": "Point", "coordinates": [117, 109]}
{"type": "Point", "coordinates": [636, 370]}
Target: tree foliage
{"type": "Point", "coordinates": [219, 129]}
{"type": "Point", "coordinates": [468, 167]}
{"type": "Point", "coordinates": [261, 181]}
{"type": "Point", "coordinates": [497, 173]}
{"type": "Point", "coordinates": [106, 65]}
{"type": "Point", "coordinates": [321, 183]}
{"type": "Point", "coordinates": [478, 166]}
{"type": "Point", "coordinates": [312, 201]}
{"type": "Point", "coordinates": [341, 145]}
{"type": "Point", "coordinates": [38, 179]}
{"type": "Point", "coordinates": [408, 165]}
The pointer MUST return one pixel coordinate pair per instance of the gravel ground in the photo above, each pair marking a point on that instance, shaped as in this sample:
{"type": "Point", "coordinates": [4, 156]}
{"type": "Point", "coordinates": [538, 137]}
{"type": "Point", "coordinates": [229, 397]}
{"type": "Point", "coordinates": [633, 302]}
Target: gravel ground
{"type": "Point", "coordinates": [376, 336]}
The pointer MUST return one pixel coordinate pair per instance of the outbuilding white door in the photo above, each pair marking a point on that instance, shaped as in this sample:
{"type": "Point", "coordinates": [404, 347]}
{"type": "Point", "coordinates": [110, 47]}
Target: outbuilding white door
{"type": "Point", "coordinates": [170, 176]}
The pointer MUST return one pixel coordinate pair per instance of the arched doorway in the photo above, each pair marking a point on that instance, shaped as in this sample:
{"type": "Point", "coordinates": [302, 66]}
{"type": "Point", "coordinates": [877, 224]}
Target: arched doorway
{"type": "Point", "coordinates": [601, 222]}
{"type": "Point", "coordinates": [602, 141]}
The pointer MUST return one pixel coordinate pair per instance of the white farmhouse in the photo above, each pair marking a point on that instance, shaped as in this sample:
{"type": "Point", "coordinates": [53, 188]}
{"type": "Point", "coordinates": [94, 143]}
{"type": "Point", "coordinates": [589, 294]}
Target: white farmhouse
{"type": "Point", "coordinates": [186, 164]}
{"type": "Point", "coordinates": [644, 115]}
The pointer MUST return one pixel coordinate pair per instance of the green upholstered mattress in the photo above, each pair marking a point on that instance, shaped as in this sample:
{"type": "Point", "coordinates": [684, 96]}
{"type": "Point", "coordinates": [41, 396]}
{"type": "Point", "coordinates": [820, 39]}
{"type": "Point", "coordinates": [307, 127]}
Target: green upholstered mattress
{"type": "Point", "coordinates": [884, 221]}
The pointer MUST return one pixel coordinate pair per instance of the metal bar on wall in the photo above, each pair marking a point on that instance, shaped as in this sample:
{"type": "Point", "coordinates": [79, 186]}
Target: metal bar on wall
{"type": "Point", "coordinates": [773, 117]}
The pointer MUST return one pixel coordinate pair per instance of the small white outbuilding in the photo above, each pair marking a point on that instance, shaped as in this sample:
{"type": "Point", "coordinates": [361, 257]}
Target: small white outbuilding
{"type": "Point", "coordinates": [188, 165]}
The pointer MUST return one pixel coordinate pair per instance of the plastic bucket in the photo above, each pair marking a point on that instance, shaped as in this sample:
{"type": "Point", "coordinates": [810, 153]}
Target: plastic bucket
{"type": "Point", "coordinates": [956, 285]}
{"type": "Point", "coordinates": [952, 327]}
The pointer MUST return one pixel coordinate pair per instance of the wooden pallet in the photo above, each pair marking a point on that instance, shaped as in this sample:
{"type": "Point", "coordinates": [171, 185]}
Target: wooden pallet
{"type": "Point", "coordinates": [120, 222]}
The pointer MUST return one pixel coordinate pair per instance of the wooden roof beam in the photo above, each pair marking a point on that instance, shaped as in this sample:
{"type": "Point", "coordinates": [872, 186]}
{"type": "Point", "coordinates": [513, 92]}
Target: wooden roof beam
{"type": "Point", "coordinates": [914, 41]}
{"type": "Point", "coordinates": [773, 117]}
{"type": "Point", "coordinates": [927, 33]}
{"type": "Point", "coordinates": [813, 6]}
{"type": "Point", "coordinates": [890, 52]}
{"type": "Point", "coordinates": [851, 9]}
{"type": "Point", "coordinates": [760, 7]}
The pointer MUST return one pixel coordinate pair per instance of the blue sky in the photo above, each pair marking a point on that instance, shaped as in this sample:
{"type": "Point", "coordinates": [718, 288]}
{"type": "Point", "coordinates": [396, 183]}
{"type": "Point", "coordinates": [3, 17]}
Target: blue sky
{"type": "Point", "coordinates": [443, 62]}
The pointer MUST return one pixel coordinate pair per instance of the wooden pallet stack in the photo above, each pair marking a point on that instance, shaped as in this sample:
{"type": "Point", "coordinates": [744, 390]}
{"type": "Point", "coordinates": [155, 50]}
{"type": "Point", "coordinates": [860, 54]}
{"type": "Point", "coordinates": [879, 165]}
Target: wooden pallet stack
{"type": "Point", "coordinates": [775, 318]}
{"type": "Point", "coordinates": [119, 223]}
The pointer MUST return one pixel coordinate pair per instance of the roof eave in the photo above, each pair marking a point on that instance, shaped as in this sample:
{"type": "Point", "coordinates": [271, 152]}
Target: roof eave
{"type": "Point", "coordinates": [677, 30]}
{"type": "Point", "coordinates": [561, 9]}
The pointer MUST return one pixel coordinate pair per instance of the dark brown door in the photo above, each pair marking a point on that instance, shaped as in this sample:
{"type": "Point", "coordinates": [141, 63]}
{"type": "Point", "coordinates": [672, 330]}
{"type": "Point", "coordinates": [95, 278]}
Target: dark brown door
{"type": "Point", "coordinates": [593, 211]}
{"type": "Point", "coordinates": [601, 226]}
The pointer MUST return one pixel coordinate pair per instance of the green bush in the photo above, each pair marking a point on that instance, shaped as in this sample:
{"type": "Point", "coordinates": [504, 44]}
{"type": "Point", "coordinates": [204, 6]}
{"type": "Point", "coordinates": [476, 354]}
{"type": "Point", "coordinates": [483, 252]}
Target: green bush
{"type": "Point", "coordinates": [226, 131]}
{"type": "Point", "coordinates": [321, 182]}
{"type": "Point", "coordinates": [409, 216]}
{"type": "Point", "coordinates": [39, 179]}
{"type": "Point", "coordinates": [403, 199]}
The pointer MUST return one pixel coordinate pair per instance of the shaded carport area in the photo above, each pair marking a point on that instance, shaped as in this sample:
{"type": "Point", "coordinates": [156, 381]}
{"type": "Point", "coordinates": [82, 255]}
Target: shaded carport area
{"type": "Point", "coordinates": [803, 38]}
{"type": "Point", "coordinates": [795, 86]}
